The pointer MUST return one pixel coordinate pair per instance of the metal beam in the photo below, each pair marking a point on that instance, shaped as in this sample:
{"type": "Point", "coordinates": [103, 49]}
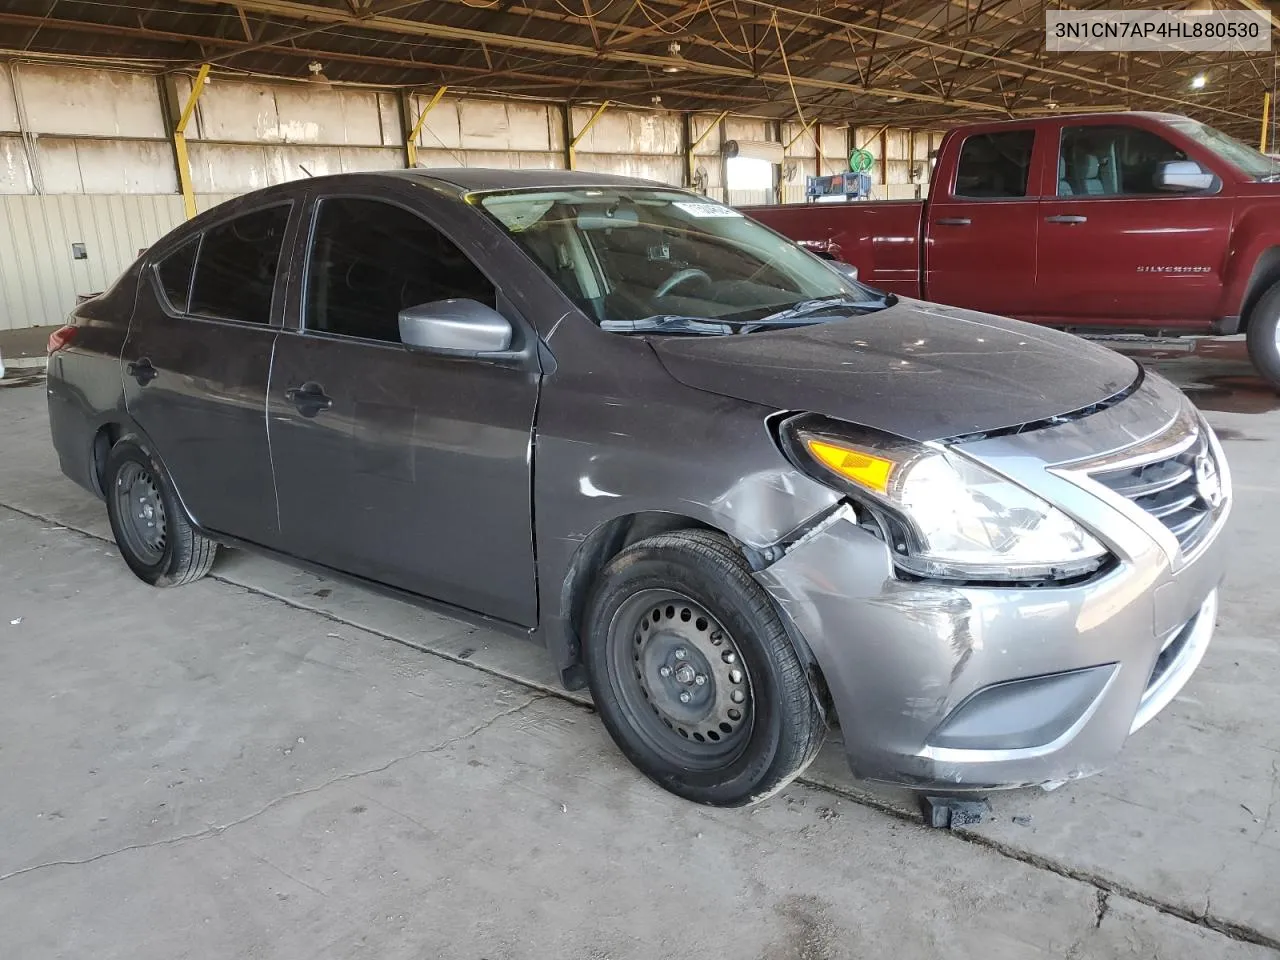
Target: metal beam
{"type": "Point", "coordinates": [411, 136]}
{"type": "Point", "coordinates": [571, 148]}
{"type": "Point", "coordinates": [181, 158]}
{"type": "Point", "coordinates": [695, 142]}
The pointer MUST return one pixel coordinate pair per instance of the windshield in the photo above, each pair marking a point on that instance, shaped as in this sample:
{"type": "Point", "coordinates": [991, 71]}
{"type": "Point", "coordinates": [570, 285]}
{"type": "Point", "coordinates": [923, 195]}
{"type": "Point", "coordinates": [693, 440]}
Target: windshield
{"type": "Point", "coordinates": [1241, 156]}
{"type": "Point", "coordinates": [640, 259]}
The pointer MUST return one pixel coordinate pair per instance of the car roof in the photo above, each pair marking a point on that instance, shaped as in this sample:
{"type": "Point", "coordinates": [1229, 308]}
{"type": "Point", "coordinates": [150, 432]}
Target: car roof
{"type": "Point", "coordinates": [483, 178]}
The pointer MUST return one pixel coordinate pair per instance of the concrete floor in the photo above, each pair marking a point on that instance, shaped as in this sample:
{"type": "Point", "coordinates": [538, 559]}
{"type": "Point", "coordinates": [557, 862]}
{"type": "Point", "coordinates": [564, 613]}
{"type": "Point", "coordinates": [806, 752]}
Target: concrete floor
{"type": "Point", "coordinates": [268, 764]}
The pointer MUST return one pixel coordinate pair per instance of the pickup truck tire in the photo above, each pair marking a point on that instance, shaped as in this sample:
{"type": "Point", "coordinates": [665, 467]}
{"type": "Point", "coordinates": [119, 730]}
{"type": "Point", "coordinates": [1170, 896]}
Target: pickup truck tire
{"type": "Point", "coordinates": [1261, 336]}
{"type": "Point", "coordinates": [693, 673]}
{"type": "Point", "coordinates": [150, 526]}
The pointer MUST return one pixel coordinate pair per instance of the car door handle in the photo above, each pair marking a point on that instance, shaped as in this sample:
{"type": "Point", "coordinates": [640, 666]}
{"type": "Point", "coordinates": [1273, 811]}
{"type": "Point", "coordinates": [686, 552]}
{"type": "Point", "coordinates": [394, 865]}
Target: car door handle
{"type": "Point", "coordinates": [309, 398]}
{"type": "Point", "coordinates": [142, 371]}
{"type": "Point", "coordinates": [1064, 218]}
{"type": "Point", "coordinates": [953, 221]}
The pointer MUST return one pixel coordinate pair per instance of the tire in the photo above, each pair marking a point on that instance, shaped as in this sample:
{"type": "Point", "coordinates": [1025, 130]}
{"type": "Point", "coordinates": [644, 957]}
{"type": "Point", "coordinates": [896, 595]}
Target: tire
{"type": "Point", "coordinates": [686, 603]}
{"type": "Point", "coordinates": [1264, 327]}
{"type": "Point", "coordinates": [158, 542]}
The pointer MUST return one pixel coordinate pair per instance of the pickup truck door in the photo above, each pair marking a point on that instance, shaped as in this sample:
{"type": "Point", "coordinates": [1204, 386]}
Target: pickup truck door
{"type": "Point", "coordinates": [1113, 248]}
{"type": "Point", "coordinates": [980, 231]}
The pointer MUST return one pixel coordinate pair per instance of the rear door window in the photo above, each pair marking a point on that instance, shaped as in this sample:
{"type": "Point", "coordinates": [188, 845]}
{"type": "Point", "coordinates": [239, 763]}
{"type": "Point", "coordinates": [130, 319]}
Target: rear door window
{"type": "Point", "coordinates": [369, 260]}
{"type": "Point", "coordinates": [174, 274]}
{"type": "Point", "coordinates": [235, 272]}
{"type": "Point", "coordinates": [995, 165]}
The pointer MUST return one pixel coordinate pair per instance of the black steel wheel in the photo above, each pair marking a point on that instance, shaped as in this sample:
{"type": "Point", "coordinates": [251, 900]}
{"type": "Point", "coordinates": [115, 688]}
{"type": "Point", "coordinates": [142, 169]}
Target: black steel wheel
{"type": "Point", "coordinates": [155, 537]}
{"type": "Point", "coordinates": [140, 506]}
{"type": "Point", "coordinates": [693, 673]}
{"type": "Point", "coordinates": [681, 677]}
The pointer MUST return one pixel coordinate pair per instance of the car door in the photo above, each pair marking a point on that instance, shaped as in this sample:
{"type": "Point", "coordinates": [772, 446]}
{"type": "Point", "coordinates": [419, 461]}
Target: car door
{"type": "Point", "coordinates": [980, 235]}
{"type": "Point", "coordinates": [196, 361]}
{"type": "Point", "coordinates": [1116, 249]}
{"type": "Point", "coordinates": [399, 466]}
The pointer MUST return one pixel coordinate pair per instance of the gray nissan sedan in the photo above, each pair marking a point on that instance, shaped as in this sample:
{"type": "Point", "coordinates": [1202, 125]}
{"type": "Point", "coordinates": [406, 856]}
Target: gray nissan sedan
{"type": "Point", "coordinates": [739, 495]}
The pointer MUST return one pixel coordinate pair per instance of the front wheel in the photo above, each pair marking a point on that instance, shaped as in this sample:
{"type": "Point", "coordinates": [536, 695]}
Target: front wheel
{"type": "Point", "coordinates": [1263, 336]}
{"type": "Point", "coordinates": [693, 673]}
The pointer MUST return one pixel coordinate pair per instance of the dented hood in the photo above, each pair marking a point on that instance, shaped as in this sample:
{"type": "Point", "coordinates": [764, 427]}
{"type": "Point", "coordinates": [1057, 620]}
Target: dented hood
{"type": "Point", "coordinates": [916, 369]}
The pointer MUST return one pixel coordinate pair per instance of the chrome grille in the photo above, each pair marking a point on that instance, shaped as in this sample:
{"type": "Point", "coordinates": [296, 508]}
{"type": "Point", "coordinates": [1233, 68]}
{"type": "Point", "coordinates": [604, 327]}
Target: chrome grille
{"type": "Point", "coordinates": [1167, 489]}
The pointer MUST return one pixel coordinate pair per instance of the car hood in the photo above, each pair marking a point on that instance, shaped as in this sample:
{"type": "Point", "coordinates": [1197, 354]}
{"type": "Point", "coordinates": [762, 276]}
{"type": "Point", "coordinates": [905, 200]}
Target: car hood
{"type": "Point", "coordinates": [919, 370]}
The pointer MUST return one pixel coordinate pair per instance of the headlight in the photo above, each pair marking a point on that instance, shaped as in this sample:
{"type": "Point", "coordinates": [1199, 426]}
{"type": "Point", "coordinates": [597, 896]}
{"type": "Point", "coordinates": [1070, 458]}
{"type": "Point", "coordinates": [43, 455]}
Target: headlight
{"type": "Point", "coordinates": [946, 516]}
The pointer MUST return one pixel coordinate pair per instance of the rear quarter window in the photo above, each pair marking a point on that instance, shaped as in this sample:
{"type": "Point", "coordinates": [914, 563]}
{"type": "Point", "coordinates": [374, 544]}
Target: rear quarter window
{"type": "Point", "coordinates": [174, 274]}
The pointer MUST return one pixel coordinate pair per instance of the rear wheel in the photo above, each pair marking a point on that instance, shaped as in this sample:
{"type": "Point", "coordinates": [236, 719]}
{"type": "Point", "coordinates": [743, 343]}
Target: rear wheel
{"type": "Point", "coordinates": [1263, 336]}
{"type": "Point", "coordinates": [693, 673]}
{"type": "Point", "coordinates": [153, 534]}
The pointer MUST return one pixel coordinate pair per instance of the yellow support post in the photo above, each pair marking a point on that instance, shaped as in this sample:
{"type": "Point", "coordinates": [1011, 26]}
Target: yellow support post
{"type": "Point", "coordinates": [411, 141]}
{"type": "Point", "coordinates": [693, 145]}
{"type": "Point", "coordinates": [1266, 121]}
{"type": "Point", "coordinates": [571, 151]}
{"type": "Point", "coordinates": [180, 142]}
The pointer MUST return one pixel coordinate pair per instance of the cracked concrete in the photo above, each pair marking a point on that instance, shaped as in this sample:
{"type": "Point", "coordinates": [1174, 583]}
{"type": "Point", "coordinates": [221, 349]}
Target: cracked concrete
{"type": "Point", "coordinates": [216, 829]}
{"type": "Point", "coordinates": [138, 726]}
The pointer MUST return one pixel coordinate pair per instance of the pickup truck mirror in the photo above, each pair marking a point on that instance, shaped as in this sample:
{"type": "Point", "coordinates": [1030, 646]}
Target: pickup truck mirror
{"type": "Point", "coordinates": [1183, 176]}
{"type": "Point", "coordinates": [455, 327]}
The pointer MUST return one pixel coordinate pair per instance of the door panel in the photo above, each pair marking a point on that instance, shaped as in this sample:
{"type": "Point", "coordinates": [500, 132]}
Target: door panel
{"type": "Point", "coordinates": [400, 466]}
{"type": "Point", "coordinates": [1116, 249]}
{"type": "Point", "coordinates": [980, 237]}
{"type": "Point", "coordinates": [415, 475]}
{"type": "Point", "coordinates": [1121, 260]}
{"type": "Point", "coordinates": [197, 385]}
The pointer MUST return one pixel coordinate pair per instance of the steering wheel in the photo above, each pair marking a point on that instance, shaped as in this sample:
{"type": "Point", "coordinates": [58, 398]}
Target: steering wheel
{"type": "Point", "coordinates": [681, 277]}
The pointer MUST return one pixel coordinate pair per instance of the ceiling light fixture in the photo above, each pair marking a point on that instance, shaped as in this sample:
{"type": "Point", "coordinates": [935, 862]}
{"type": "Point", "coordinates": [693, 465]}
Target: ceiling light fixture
{"type": "Point", "coordinates": [671, 68]}
{"type": "Point", "coordinates": [895, 99]}
{"type": "Point", "coordinates": [1198, 81]}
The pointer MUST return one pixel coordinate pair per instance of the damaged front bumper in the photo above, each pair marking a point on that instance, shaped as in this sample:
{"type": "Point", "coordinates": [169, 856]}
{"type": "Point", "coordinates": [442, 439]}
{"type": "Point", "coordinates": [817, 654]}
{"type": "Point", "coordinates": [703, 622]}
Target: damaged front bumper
{"type": "Point", "coordinates": [977, 687]}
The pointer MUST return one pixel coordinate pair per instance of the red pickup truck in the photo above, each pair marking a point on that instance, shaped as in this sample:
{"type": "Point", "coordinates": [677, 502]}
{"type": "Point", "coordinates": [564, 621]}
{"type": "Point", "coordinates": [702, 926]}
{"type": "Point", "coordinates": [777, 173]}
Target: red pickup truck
{"type": "Point", "coordinates": [1145, 221]}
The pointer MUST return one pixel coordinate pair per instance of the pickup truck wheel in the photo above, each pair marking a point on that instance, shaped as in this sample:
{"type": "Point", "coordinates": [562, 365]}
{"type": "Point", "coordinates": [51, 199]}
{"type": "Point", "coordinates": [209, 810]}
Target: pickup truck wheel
{"type": "Point", "coordinates": [1263, 336]}
{"type": "Point", "coordinates": [693, 673]}
{"type": "Point", "coordinates": [153, 534]}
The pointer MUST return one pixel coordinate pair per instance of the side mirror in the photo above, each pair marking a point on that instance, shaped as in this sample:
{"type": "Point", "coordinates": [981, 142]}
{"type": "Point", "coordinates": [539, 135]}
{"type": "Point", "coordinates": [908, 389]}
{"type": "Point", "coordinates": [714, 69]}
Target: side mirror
{"type": "Point", "coordinates": [1183, 176]}
{"type": "Point", "coordinates": [846, 270]}
{"type": "Point", "coordinates": [457, 327]}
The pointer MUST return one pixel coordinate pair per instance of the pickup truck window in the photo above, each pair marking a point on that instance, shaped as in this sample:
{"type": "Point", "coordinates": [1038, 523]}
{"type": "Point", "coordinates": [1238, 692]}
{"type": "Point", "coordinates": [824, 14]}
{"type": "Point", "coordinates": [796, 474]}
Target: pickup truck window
{"type": "Point", "coordinates": [994, 165]}
{"type": "Point", "coordinates": [1112, 161]}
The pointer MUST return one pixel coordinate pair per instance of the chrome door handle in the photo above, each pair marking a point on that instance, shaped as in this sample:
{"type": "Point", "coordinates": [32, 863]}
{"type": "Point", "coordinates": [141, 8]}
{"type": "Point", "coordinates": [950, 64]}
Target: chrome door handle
{"type": "Point", "coordinates": [1064, 218]}
{"type": "Point", "coordinates": [953, 221]}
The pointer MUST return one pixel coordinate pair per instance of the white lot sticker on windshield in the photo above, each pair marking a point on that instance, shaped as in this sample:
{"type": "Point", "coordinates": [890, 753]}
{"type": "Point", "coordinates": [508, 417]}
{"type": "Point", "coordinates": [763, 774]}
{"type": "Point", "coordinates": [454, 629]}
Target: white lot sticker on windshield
{"type": "Point", "coordinates": [695, 209]}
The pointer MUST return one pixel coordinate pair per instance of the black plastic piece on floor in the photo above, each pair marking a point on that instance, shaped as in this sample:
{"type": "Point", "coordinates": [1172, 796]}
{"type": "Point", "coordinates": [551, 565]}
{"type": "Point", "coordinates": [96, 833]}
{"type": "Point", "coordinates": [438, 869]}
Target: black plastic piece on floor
{"type": "Point", "coordinates": [943, 813]}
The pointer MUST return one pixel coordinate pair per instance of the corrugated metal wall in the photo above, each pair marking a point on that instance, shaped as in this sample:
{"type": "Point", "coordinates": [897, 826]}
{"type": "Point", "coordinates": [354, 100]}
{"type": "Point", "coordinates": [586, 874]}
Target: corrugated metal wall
{"type": "Point", "coordinates": [39, 273]}
{"type": "Point", "coordinates": [85, 158]}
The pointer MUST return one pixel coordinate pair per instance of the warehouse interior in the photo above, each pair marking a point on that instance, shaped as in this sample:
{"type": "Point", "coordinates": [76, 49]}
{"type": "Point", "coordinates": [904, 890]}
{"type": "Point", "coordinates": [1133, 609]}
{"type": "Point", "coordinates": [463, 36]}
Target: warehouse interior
{"type": "Point", "coordinates": [276, 761]}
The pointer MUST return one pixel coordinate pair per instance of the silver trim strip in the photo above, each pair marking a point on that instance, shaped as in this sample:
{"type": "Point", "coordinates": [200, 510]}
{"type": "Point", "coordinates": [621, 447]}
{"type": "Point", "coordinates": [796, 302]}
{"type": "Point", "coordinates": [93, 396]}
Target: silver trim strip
{"type": "Point", "coordinates": [1157, 696]}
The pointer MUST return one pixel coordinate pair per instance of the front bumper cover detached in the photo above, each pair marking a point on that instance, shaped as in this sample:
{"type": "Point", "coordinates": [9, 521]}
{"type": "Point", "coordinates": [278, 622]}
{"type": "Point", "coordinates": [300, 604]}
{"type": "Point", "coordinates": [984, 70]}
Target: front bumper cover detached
{"type": "Point", "coordinates": [957, 687]}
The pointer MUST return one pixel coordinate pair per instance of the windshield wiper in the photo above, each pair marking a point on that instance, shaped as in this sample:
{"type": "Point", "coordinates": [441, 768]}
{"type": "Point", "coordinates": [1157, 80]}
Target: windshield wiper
{"type": "Point", "coordinates": [807, 308]}
{"type": "Point", "coordinates": [1269, 177]}
{"type": "Point", "coordinates": [671, 324]}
